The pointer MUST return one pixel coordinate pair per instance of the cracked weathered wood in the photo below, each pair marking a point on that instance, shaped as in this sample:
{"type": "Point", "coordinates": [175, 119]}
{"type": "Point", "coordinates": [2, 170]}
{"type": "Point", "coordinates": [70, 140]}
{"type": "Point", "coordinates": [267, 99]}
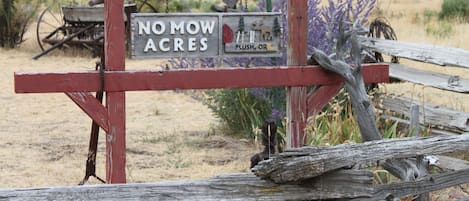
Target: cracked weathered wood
{"type": "Point", "coordinates": [450, 163]}
{"type": "Point", "coordinates": [339, 184]}
{"type": "Point", "coordinates": [423, 185]}
{"type": "Point", "coordinates": [430, 114]}
{"type": "Point", "coordinates": [444, 56]}
{"type": "Point", "coordinates": [403, 126]}
{"type": "Point", "coordinates": [428, 78]}
{"type": "Point", "coordinates": [309, 162]}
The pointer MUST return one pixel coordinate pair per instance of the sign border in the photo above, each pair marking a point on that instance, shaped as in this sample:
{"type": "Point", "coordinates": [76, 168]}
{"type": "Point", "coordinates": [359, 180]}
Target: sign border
{"type": "Point", "coordinates": [220, 16]}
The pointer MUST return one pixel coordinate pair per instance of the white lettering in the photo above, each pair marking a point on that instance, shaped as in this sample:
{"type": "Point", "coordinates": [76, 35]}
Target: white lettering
{"type": "Point", "coordinates": [178, 42]}
{"type": "Point", "coordinates": [150, 46]}
{"type": "Point", "coordinates": [203, 44]}
{"type": "Point", "coordinates": [192, 27]}
{"type": "Point", "coordinates": [191, 45]}
{"type": "Point", "coordinates": [161, 30]}
{"type": "Point", "coordinates": [207, 26]}
{"type": "Point", "coordinates": [175, 27]}
{"type": "Point", "coordinates": [144, 28]}
{"type": "Point", "coordinates": [162, 46]}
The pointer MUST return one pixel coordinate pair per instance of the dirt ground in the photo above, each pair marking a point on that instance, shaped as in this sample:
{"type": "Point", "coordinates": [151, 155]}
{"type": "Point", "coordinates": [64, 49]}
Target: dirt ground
{"type": "Point", "coordinates": [170, 136]}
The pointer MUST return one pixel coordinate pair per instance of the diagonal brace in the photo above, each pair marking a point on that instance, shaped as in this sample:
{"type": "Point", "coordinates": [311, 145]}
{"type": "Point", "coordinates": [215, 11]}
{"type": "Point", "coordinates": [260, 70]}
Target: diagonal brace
{"type": "Point", "coordinates": [92, 107]}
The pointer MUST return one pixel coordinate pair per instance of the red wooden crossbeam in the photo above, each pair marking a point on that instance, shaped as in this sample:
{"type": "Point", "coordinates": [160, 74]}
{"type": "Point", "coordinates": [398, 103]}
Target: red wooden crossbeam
{"type": "Point", "coordinates": [118, 81]}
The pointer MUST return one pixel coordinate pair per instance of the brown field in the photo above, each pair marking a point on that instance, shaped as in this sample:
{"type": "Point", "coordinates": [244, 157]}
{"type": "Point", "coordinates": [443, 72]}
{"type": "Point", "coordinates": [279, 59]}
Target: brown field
{"type": "Point", "coordinates": [170, 136]}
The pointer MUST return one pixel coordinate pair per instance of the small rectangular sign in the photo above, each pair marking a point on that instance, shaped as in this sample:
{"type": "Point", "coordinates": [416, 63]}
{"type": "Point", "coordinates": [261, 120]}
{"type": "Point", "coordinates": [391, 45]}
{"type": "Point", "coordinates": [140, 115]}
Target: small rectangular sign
{"type": "Point", "coordinates": [189, 35]}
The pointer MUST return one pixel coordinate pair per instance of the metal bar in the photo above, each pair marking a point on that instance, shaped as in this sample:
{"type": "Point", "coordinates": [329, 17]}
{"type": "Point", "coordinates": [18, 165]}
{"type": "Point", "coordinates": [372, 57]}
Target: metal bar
{"type": "Point", "coordinates": [63, 42]}
{"type": "Point", "coordinates": [114, 51]}
{"type": "Point", "coordinates": [75, 42]}
{"type": "Point", "coordinates": [297, 55]}
{"type": "Point", "coordinates": [117, 81]}
{"type": "Point", "coordinates": [93, 146]}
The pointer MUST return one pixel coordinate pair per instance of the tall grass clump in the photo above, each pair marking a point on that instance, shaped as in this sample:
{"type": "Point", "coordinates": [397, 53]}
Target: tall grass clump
{"type": "Point", "coordinates": [15, 17]}
{"type": "Point", "coordinates": [335, 124]}
{"type": "Point", "coordinates": [455, 9]}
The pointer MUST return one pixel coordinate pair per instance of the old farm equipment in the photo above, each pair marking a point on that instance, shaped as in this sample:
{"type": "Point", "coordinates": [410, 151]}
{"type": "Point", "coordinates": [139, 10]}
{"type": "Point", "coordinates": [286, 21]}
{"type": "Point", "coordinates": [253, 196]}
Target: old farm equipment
{"type": "Point", "coordinates": [79, 26]}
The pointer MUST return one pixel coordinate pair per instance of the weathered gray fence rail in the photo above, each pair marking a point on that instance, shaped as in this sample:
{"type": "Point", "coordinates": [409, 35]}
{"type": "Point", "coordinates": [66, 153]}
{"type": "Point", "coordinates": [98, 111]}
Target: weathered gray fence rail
{"type": "Point", "coordinates": [404, 126]}
{"type": "Point", "coordinates": [430, 114]}
{"type": "Point", "coordinates": [427, 78]}
{"type": "Point", "coordinates": [309, 162]}
{"type": "Point", "coordinates": [338, 184]}
{"type": "Point", "coordinates": [444, 56]}
{"type": "Point", "coordinates": [426, 184]}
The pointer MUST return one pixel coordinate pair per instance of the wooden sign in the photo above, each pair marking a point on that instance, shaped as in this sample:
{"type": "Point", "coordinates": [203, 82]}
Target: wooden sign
{"type": "Point", "coordinates": [181, 35]}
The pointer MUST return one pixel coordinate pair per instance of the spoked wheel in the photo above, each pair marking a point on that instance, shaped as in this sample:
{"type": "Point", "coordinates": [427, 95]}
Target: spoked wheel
{"type": "Point", "coordinates": [50, 26]}
{"type": "Point", "coordinates": [144, 6]}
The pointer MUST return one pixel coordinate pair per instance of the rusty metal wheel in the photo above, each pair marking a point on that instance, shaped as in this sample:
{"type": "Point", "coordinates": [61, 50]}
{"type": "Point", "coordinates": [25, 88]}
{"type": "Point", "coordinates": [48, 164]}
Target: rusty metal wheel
{"type": "Point", "coordinates": [50, 26]}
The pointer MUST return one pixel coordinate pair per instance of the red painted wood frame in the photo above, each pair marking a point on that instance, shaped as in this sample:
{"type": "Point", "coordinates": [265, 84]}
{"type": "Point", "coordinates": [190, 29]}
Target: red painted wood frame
{"type": "Point", "coordinates": [78, 85]}
{"type": "Point", "coordinates": [297, 16]}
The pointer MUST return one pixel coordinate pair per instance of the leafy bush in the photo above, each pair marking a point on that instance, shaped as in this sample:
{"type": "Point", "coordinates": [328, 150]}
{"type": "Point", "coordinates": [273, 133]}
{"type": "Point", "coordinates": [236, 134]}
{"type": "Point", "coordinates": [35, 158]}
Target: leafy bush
{"type": "Point", "coordinates": [454, 9]}
{"type": "Point", "coordinates": [443, 29]}
{"type": "Point", "coordinates": [15, 17]}
{"type": "Point", "coordinates": [241, 111]}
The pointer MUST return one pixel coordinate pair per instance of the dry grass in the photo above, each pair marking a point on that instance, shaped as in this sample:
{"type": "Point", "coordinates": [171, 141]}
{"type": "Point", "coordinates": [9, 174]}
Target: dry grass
{"type": "Point", "coordinates": [44, 137]}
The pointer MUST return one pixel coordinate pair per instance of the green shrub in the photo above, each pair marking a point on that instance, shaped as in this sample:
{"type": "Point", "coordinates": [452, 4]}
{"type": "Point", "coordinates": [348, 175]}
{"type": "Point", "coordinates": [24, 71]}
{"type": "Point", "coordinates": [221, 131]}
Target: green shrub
{"type": "Point", "coordinates": [455, 9]}
{"type": "Point", "coordinates": [239, 110]}
{"type": "Point", "coordinates": [443, 29]}
{"type": "Point", "coordinates": [15, 17]}
{"type": "Point", "coordinates": [428, 15]}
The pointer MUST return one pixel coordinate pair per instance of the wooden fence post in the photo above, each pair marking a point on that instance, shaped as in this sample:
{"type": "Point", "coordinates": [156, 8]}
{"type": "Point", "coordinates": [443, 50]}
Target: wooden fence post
{"type": "Point", "coordinates": [114, 51]}
{"type": "Point", "coordinates": [297, 55]}
{"type": "Point", "coordinates": [414, 127]}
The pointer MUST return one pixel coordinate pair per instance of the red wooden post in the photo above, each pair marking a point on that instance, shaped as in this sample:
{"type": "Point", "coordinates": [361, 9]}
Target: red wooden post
{"type": "Point", "coordinates": [297, 56]}
{"type": "Point", "coordinates": [114, 53]}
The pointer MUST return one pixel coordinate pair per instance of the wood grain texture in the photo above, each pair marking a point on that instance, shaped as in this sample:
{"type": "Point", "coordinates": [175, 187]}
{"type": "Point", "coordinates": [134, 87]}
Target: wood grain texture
{"type": "Point", "coordinates": [309, 162]}
{"type": "Point", "coordinates": [92, 107]}
{"type": "Point", "coordinates": [430, 114]}
{"type": "Point", "coordinates": [428, 78]}
{"type": "Point", "coordinates": [444, 56]}
{"type": "Point", "coordinates": [320, 97]}
{"type": "Point", "coordinates": [423, 185]}
{"type": "Point", "coordinates": [450, 163]}
{"type": "Point", "coordinates": [340, 184]}
{"type": "Point", "coordinates": [114, 56]}
{"type": "Point", "coordinates": [296, 110]}
{"type": "Point", "coordinates": [89, 81]}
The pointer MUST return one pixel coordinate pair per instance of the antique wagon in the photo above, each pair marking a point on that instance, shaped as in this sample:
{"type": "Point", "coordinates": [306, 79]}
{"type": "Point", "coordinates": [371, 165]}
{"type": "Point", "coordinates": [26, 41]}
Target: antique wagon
{"type": "Point", "coordinates": [77, 26]}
